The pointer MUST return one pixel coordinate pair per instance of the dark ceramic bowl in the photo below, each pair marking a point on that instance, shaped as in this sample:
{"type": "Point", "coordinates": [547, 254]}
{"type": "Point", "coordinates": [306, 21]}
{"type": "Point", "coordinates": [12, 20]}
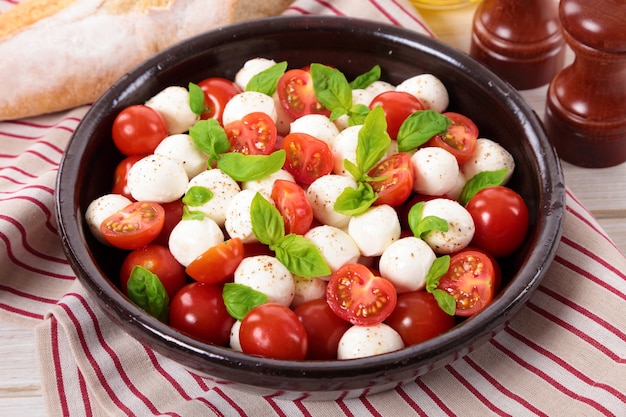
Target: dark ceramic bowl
{"type": "Point", "coordinates": [353, 46]}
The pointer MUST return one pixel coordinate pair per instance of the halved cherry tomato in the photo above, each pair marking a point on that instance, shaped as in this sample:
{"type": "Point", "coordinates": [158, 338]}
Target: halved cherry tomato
{"type": "Point", "coordinates": [418, 317]}
{"type": "Point", "coordinates": [198, 310]}
{"type": "Point", "coordinates": [134, 226]}
{"type": "Point", "coordinates": [138, 129]}
{"type": "Point", "coordinates": [293, 205]}
{"type": "Point", "coordinates": [397, 183]}
{"type": "Point", "coordinates": [471, 280]}
{"type": "Point", "coordinates": [255, 134]}
{"type": "Point", "coordinates": [324, 329]}
{"type": "Point", "coordinates": [356, 295]}
{"type": "Point", "coordinates": [158, 260]}
{"type": "Point", "coordinates": [500, 218]}
{"type": "Point", "coordinates": [397, 105]}
{"type": "Point", "coordinates": [308, 158]}
{"type": "Point", "coordinates": [459, 139]}
{"type": "Point", "coordinates": [218, 263]}
{"type": "Point", "coordinates": [217, 92]}
{"type": "Point", "coordinates": [273, 330]}
{"type": "Point", "coordinates": [297, 96]}
{"type": "Point", "coordinates": [120, 176]}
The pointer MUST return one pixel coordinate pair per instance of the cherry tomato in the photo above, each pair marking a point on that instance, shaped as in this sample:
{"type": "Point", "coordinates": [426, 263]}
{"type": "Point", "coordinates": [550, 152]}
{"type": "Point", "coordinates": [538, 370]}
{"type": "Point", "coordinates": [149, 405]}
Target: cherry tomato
{"type": "Point", "coordinates": [134, 226]}
{"type": "Point", "coordinates": [255, 134]}
{"type": "Point", "coordinates": [273, 330]}
{"type": "Point", "coordinates": [138, 129]}
{"type": "Point", "coordinates": [308, 158]}
{"type": "Point", "coordinates": [397, 183]}
{"type": "Point", "coordinates": [459, 139]}
{"type": "Point", "coordinates": [356, 295]}
{"type": "Point", "coordinates": [217, 92]}
{"type": "Point", "coordinates": [501, 220]}
{"type": "Point", "coordinates": [418, 317]}
{"type": "Point", "coordinates": [323, 327]}
{"type": "Point", "coordinates": [297, 96]}
{"type": "Point", "coordinates": [120, 176]}
{"type": "Point", "coordinates": [173, 214]}
{"type": "Point", "coordinates": [398, 105]}
{"type": "Point", "coordinates": [218, 263]}
{"type": "Point", "coordinates": [293, 205]}
{"type": "Point", "coordinates": [198, 310]}
{"type": "Point", "coordinates": [158, 260]}
{"type": "Point", "coordinates": [471, 280]}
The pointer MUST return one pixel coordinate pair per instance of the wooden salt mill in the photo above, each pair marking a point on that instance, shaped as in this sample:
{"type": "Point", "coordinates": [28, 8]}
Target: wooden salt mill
{"type": "Point", "coordinates": [586, 104]}
{"type": "Point", "coordinates": [520, 40]}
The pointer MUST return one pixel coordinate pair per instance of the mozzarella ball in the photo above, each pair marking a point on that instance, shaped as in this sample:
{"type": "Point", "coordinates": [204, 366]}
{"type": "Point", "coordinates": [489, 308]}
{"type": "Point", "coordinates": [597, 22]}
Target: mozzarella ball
{"type": "Point", "coordinates": [248, 102]}
{"type": "Point", "coordinates": [378, 87]}
{"type": "Point", "coordinates": [224, 189]}
{"type": "Point", "coordinates": [181, 148]}
{"type": "Point", "coordinates": [267, 275]}
{"type": "Point", "coordinates": [436, 171]}
{"type": "Point", "coordinates": [428, 89]}
{"type": "Point", "coordinates": [322, 195]}
{"type": "Point", "coordinates": [455, 192]}
{"type": "Point", "coordinates": [343, 146]}
{"type": "Point", "coordinates": [234, 343]}
{"type": "Point", "coordinates": [335, 245]}
{"type": "Point", "coordinates": [173, 104]}
{"type": "Point", "coordinates": [191, 238]}
{"type": "Point", "coordinates": [101, 208]}
{"type": "Point", "coordinates": [316, 125]}
{"type": "Point", "coordinates": [238, 222]}
{"type": "Point", "coordinates": [157, 178]}
{"type": "Point", "coordinates": [307, 289]}
{"type": "Point", "coordinates": [265, 185]}
{"type": "Point", "coordinates": [406, 262]}
{"type": "Point", "coordinates": [251, 68]}
{"type": "Point", "coordinates": [375, 229]}
{"type": "Point", "coordinates": [488, 156]}
{"type": "Point", "coordinates": [365, 341]}
{"type": "Point", "coordinates": [460, 226]}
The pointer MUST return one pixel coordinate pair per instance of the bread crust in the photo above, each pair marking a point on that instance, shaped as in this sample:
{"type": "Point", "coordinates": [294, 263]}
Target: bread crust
{"type": "Point", "coordinates": [69, 56]}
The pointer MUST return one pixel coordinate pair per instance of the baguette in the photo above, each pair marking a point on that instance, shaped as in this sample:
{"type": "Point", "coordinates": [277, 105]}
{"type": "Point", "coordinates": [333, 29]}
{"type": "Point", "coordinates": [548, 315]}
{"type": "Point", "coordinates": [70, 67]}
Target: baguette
{"type": "Point", "coordinates": [59, 54]}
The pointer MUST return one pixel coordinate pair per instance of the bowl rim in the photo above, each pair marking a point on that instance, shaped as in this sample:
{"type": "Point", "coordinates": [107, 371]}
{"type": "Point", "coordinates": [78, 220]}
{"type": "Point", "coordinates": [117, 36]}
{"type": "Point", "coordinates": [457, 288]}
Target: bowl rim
{"type": "Point", "coordinates": [478, 327]}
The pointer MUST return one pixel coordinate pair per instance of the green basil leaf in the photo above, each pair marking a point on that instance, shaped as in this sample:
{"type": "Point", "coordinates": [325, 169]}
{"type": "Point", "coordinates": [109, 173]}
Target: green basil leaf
{"type": "Point", "coordinates": [242, 167]}
{"type": "Point", "coordinates": [419, 127]}
{"type": "Point", "coordinates": [481, 181]}
{"type": "Point", "coordinates": [210, 137]}
{"type": "Point", "coordinates": [352, 169]}
{"type": "Point", "coordinates": [300, 256]}
{"type": "Point", "coordinates": [373, 141]}
{"type": "Point", "coordinates": [357, 114]}
{"type": "Point", "coordinates": [331, 89]}
{"type": "Point", "coordinates": [197, 195]}
{"type": "Point", "coordinates": [445, 301]}
{"type": "Point", "coordinates": [196, 99]}
{"type": "Point", "coordinates": [439, 267]}
{"type": "Point", "coordinates": [266, 81]}
{"type": "Point", "coordinates": [239, 299]}
{"type": "Point", "coordinates": [420, 226]}
{"type": "Point", "coordinates": [353, 202]}
{"type": "Point", "coordinates": [363, 80]}
{"type": "Point", "coordinates": [192, 214]}
{"type": "Point", "coordinates": [267, 224]}
{"type": "Point", "coordinates": [146, 290]}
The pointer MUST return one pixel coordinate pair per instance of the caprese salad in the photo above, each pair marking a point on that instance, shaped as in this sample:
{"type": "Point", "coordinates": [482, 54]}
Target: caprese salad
{"type": "Point", "coordinates": [294, 214]}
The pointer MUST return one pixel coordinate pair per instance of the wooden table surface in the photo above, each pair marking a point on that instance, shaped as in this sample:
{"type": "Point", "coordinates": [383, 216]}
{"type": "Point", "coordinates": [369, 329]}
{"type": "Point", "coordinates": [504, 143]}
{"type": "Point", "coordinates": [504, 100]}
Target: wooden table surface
{"type": "Point", "coordinates": [602, 191]}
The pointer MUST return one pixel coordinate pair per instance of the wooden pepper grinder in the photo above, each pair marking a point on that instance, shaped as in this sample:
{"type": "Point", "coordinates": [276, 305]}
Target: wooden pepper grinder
{"type": "Point", "coordinates": [520, 40]}
{"type": "Point", "coordinates": [586, 103]}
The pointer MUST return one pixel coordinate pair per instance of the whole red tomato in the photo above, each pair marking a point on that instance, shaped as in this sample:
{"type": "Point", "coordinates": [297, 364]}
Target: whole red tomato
{"type": "Point", "coordinates": [138, 129]}
{"type": "Point", "coordinates": [273, 330]}
{"type": "Point", "coordinates": [501, 219]}
{"type": "Point", "coordinates": [397, 105]}
{"type": "Point", "coordinates": [158, 260]}
{"type": "Point", "coordinates": [417, 317]}
{"type": "Point", "coordinates": [217, 92]}
{"type": "Point", "coordinates": [323, 327]}
{"type": "Point", "coordinates": [198, 310]}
